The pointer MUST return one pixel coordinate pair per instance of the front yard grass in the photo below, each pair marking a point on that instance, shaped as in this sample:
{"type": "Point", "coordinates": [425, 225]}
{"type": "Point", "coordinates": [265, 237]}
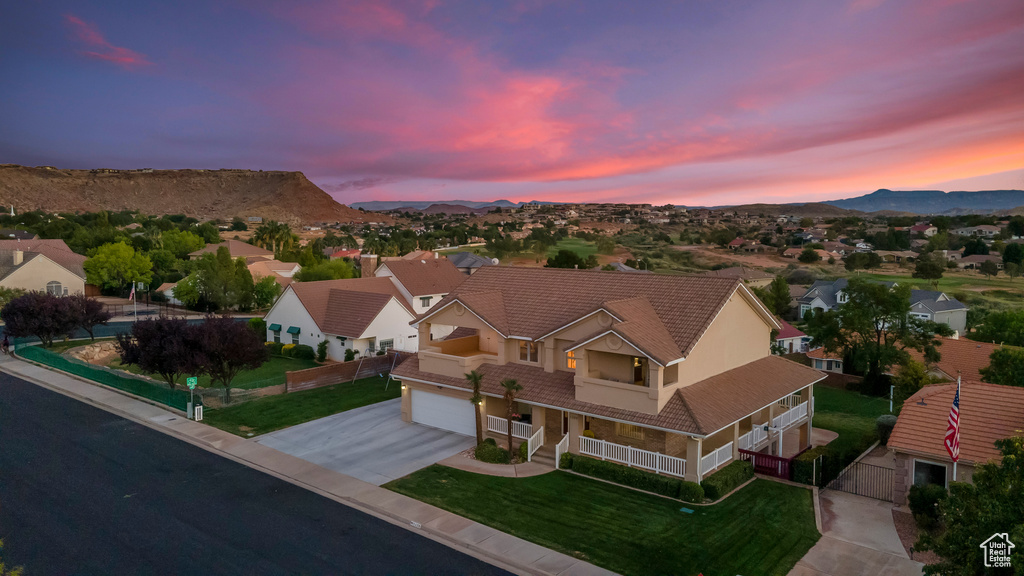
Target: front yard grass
{"type": "Point", "coordinates": [852, 415]}
{"type": "Point", "coordinates": [271, 373]}
{"type": "Point", "coordinates": [265, 415]}
{"type": "Point", "coordinates": [765, 528]}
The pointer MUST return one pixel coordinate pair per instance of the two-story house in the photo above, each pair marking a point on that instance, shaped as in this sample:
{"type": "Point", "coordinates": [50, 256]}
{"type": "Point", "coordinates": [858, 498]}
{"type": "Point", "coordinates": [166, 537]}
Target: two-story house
{"type": "Point", "coordinates": [668, 373]}
{"type": "Point", "coordinates": [924, 304]}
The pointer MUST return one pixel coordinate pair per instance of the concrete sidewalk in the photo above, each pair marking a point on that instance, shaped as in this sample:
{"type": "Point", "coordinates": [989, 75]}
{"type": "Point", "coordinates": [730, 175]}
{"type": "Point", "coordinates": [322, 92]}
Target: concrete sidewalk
{"type": "Point", "coordinates": [483, 542]}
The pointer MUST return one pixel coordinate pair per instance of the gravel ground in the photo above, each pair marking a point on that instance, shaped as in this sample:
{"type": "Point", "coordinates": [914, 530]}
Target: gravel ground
{"type": "Point", "coordinates": [907, 529]}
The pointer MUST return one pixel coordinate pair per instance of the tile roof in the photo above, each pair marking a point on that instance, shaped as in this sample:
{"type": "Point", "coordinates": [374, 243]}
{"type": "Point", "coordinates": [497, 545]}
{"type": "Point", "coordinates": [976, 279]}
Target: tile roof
{"type": "Point", "coordinates": [236, 248]}
{"type": "Point", "coordinates": [988, 412]}
{"type": "Point", "coordinates": [967, 356]}
{"type": "Point", "coordinates": [821, 354]}
{"type": "Point", "coordinates": [426, 276]}
{"type": "Point", "coordinates": [533, 302]}
{"type": "Point", "coordinates": [54, 249]}
{"type": "Point", "coordinates": [700, 409]}
{"type": "Point", "coordinates": [788, 331]}
{"type": "Point", "coordinates": [349, 313]}
{"type": "Point", "coordinates": [468, 260]}
{"type": "Point", "coordinates": [316, 297]}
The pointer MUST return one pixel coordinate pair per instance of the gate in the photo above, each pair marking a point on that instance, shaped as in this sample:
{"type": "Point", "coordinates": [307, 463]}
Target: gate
{"type": "Point", "coordinates": [775, 466]}
{"type": "Point", "coordinates": [865, 479]}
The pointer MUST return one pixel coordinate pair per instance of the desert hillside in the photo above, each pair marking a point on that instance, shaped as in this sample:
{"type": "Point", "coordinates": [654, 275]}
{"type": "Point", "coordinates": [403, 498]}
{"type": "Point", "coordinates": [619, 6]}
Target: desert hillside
{"type": "Point", "coordinates": [204, 194]}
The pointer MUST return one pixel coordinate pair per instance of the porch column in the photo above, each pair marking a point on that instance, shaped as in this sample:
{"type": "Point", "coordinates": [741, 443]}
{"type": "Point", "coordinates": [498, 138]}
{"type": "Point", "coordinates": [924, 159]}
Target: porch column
{"type": "Point", "coordinates": [736, 440]}
{"type": "Point", "coordinates": [693, 455]}
{"type": "Point", "coordinates": [771, 443]}
{"type": "Point", "coordinates": [575, 424]}
{"type": "Point", "coordinates": [539, 419]}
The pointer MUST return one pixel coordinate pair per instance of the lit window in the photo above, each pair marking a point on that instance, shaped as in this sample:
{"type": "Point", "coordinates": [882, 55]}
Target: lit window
{"type": "Point", "coordinates": [528, 351]}
{"type": "Point", "coordinates": [629, 431]}
{"type": "Point", "coordinates": [570, 359]}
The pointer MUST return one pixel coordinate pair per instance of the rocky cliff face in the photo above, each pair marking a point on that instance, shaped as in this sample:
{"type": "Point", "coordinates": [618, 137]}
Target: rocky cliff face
{"type": "Point", "coordinates": [204, 194]}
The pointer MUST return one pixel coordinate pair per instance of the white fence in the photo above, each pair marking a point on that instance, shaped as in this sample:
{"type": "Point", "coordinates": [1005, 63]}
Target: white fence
{"type": "Point", "coordinates": [787, 418]}
{"type": "Point", "coordinates": [632, 456]}
{"type": "Point", "coordinates": [561, 448]}
{"type": "Point", "coordinates": [534, 443]}
{"type": "Point", "coordinates": [716, 459]}
{"type": "Point", "coordinates": [752, 439]}
{"type": "Point", "coordinates": [520, 430]}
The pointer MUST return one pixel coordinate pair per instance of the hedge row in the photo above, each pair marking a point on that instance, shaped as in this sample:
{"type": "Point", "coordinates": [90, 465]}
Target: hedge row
{"type": "Point", "coordinates": [300, 351]}
{"type": "Point", "coordinates": [174, 398]}
{"type": "Point", "coordinates": [633, 477]}
{"type": "Point", "coordinates": [727, 479]}
{"type": "Point", "coordinates": [803, 468]}
{"type": "Point", "coordinates": [489, 451]}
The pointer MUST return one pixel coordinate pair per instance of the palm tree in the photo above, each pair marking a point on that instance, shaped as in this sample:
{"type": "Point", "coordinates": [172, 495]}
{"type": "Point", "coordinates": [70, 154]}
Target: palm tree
{"type": "Point", "coordinates": [475, 378]}
{"type": "Point", "coordinates": [511, 387]}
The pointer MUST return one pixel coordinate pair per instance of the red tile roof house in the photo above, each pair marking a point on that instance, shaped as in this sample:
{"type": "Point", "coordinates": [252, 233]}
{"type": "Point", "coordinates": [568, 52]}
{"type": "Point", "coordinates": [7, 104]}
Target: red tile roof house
{"type": "Point", "coordinates": [988, 412]}
{"type": "Point", "coordinates": [677, 368]}
{"type": "Point", "coordinates": [790, 339]}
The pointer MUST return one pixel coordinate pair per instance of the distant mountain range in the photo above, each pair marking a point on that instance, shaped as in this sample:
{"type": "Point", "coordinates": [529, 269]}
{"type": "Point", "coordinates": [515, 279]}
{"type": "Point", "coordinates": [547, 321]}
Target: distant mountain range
{"type": "Point", "coordinates": [381, 205]}
{"type": "Point", "coordinates": [934, 201]}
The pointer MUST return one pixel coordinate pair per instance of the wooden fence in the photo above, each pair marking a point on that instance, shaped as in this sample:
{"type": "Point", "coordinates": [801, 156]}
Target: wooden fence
{"type": "Point", "coordinates": [332, 374]}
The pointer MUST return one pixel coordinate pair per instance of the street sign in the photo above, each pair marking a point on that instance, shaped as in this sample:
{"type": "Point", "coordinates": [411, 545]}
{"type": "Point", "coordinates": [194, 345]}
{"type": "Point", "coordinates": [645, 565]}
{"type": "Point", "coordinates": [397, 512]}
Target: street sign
{"type": "Point", "coordinates": [192, 381]}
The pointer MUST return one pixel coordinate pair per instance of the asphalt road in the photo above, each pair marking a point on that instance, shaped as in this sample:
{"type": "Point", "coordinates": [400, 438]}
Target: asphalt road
{"type": "Point", "coordinates": [85, 492]}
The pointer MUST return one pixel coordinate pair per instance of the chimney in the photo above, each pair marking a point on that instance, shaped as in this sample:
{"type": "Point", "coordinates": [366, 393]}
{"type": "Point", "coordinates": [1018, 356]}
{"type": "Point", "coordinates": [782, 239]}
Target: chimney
{"type": "Point", "coordinates": [18, 257]}
{"type": "Point", "coordinates": [368, 265]}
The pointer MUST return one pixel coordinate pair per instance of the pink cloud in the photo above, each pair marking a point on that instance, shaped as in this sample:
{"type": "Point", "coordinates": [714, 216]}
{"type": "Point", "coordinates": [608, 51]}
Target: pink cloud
{"type": "Point", "coordinates": [98, 47]}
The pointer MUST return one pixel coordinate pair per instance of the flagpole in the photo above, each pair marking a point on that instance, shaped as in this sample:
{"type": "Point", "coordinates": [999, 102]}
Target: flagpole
{"type": "Point", "coordinates": [958, 423]}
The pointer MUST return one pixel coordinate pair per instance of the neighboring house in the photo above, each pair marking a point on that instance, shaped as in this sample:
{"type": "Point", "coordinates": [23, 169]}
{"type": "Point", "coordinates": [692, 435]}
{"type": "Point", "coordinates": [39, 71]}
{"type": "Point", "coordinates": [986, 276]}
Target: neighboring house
{"type": "Point", "coordinates": [790, 339]}
{"type": "Point", "coordinates": [736, 243]}
{"type": "Point", "coordinates": [422, 282]}
{"type": "Point", "coordinates": [924, 304]}
{"type": "Point", "coordinates": [41, 265]}
{"type": "Point", "coordinates": [750, 276]}
{"type": "Point", "coordinates": [237, 249]}
{"type": "Point", "coordinates": [974, 261]}
{"type": "Point", "coordinates": [167, 289]}
{"type": "Point", "coordinates": [897, 256]}
{"type": "Point", "coordinates": [958, 356]}
{"type": "Point", "coordinates": [468, 262]}
{"type": "Point", "coordinates": [10, 234]}
{"type": "Point", "coordinates": [927, 229]}
{"type": "Point", "coordinates": [281, 271]}
{"type": "Point", "coordinates": [988, 412]}
{"type": "Point", "coordinates": [821, 360]}
{"type": "Point", "coordinates": [351, 254]}
{"type": "Point", "coordinates": [984, 231]}
{"type": "Point", "coordinates": [362, 314]}
{"type": "Point", "coordinates": [792, 252]}
{"type": "Point", "coordinates": [677, 367]}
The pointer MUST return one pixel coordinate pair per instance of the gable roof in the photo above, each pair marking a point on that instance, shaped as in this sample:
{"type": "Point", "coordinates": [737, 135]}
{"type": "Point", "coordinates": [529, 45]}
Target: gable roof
{"type": "Point", "coordinates": [425, 277]}
{"type": "Point", "coordinates": [988, 412]}
{"type": "Point", "coordinates": [967, 356]}
{"type": "Point", "coordinates": [53, 249]}
{"type": "Point", "coordinates": [469, 260]}
{"type": "Point", "coordinates": [788, 331]}
{"type": "Point", "coordinates": [349, 313]}
{"type": "Point", "coordinates": [315, 295]}
{"type": "Point", "coordinates": [236, 248]}
{"type": "Point", "coordinates": [534, 302]}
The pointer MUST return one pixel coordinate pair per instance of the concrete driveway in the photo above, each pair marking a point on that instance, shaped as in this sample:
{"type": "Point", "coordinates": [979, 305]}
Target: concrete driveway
{"type": "Point", "coordinates": [369, 443]}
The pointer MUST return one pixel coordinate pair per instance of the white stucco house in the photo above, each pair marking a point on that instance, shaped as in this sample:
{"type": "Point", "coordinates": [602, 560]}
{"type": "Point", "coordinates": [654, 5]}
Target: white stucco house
{"type": "Point", "coordinates": [423, 282]}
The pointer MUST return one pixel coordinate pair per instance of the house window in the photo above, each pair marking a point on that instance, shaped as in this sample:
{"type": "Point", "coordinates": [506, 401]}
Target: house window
{"type": "Point", "coordinates": [54, 288]}
{"type": "Point", "coordinates": [295, 338]}
{"type": "Point", "coordinates": [629, 431]}
{"type": "Point", "coordinates": [277, 336]}
{"type": "Point", "coordinates": [929, 473]}
{"type": "Point", "coordinates": [570, 359]}
{"type": "Point", "coordinates": [842, 297]}
{"type": "Point", "coordinates": [528, 351]}
{"type": "Point", "coordinates": [639, 371]}
{"type": "Point", "coordinates": [386, 345]}
{"type": "Point", "coordinates": [586, 422]}
{"type": "Point", "coordinates": [425, 301]}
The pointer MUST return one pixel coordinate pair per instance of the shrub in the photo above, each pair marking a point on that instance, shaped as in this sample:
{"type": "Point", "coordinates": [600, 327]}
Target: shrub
{"type": "Point", "coordinates": [588, 433]}
{"type": "Point", "coordinates": [489, 452]}
{"type": "Point", "coordinates": [626, 476]}
{"type": "Point", "coordinates": [565, 462]}
{"type": "Point", "coordinates": [691, 492]}
{"type": "Point", "coordinates": [524, 451]}
{"type": "Point", "coordinates": [321, 351]}
{"type": "Point", "coordinates": [884, 425]}
{"type": "Point", "coordinates": [259, 326]}
{"type": "Point", "coordinates": [803, 466]}
{"type": "Point", "coordinates": [350, 355]}
{"type": "Point", "coordinates": [275, 348]}
{"type": "Point", "coordinates": [924, 503]}
{"type": "Point", "coordinates": [303, 352]}
{"type": "Point", "coordinates": [287, 350]}
{"type": "Point", "coordinates": [725, 480]}
{"type": "Point", "coordinates": [490, 441]}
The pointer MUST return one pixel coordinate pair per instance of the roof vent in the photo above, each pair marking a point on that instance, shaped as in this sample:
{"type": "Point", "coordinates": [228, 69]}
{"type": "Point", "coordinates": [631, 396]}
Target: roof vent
{"type": "Point", "coordinates": [423, 261]}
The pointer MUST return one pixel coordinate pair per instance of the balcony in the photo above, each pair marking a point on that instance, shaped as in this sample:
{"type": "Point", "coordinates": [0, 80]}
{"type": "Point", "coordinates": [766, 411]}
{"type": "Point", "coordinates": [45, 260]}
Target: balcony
{"type": "Point", "coordinates": [790, 417]}
{"type": "Point", "coordinates": [455, 357]}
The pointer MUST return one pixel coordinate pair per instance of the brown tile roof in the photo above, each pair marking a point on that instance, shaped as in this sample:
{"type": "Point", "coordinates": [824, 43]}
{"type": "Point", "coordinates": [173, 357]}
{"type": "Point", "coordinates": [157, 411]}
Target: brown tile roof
{"type": "Point", "coordinates": [641, 327]}
{"type": "Point", "coordinates": [349, 313]}
{"type": "Point", "coordinates": [316, 296]}
{"type": "Point", "coordinates": [533, 302]}
{"type": "Point", "coordinates": [236, 248]}
{"type": "Point", "coordinates": [427, 276]}
{"type": "Point", "coordinates": [37, 245]}
{"type": "Point", "coordinates": [699, 409]}
{"type": "Point", "coordinates": [54, 249]}
{"type": "Point", "coordinates": [822, 354]}
{"type": "Point", "coordinates": [988, 412]}
{"type": "Point", "coordinates": [967, 356]}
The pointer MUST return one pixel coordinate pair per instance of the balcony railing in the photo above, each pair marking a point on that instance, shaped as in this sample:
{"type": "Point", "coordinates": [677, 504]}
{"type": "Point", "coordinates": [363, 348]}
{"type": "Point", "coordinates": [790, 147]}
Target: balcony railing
{"type": "Point", "coordinates": [561, 448]}
{"type": "Point", "coordinates": [788, 418]}
{"type": "Point", "coordinates": [716, 459]}
{"type": "Point", "coordinates": [754, 438]}
{"type": "Point", "coordinates": [632, 456]}
{"type": "Point", "coordinates": [520, 430]}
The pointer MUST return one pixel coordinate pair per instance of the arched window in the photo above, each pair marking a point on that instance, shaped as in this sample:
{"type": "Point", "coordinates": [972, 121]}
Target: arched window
{"type": "Point", "coordinates": [54, 288]}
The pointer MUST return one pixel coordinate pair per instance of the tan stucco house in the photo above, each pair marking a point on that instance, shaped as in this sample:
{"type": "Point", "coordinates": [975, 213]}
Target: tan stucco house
{"type": "Point", "coordinates": [671, 374]}
{"type": "Point", "coordinates": [41, 266]}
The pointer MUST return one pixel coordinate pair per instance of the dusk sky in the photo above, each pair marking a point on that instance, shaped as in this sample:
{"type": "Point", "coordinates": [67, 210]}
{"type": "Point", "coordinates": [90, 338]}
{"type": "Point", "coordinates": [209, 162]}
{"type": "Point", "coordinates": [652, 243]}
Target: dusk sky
{"type": "Point", "coordinates": [689, 102]}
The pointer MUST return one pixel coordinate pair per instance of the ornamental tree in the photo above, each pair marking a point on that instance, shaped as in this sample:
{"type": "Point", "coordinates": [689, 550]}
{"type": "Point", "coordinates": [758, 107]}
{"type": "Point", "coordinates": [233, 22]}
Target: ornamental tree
{"type": "Point", "coordinates": [88, 313]}
{"type": "Point", "coordinates": [115, 266]}
{"type": "Point", "coordinates": [164, 346]}
{"type": "Point", "coordinates": [226, 347]}
{"type": "Point", "coordinates": [39, 314]}
{"type": "Point", "coordinates": [1006, 367]}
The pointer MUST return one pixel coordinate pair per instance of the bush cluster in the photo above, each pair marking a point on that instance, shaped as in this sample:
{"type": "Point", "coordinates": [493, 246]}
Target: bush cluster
{"type": "Point", "coordinates": [803, 467]}
{"type": "Point", "coordinates": [303, 352]}
{"type": "Point", "coordinates": [275, 348]}
{"type": "Point", "coordinates": [524, 450]}
{"type": "Point", "coordinates": [259, 326]}
{"type": "Point", "coordinates": [884, 425]}
{"type": "Point", "coordinates": [727, 479]}
{"type": "Point", "coordinates": [924, 503]}
{"type": "Point", "coordinates": [321, 351]}
{"type": "Point", "coordinates": [489, 451]}
{"type": "Point", "coordinates": [664, 485]}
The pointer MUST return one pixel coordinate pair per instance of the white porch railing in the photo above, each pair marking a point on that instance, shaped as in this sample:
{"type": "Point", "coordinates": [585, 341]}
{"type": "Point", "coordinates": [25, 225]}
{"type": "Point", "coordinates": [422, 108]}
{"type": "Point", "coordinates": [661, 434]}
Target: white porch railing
{"type": "Point", "coordinates": [716, 459]}
{"type": "Point", "coordinates": [752, 439]}
{"type": "Point", "coordinates": [520, 430]}
{"type": "Point", "coordinates": [786, 419]}
{"type": "Point", "coordinates": [561, 448]}
{"type": "Point", "coordinates": [632, 456]}
{"type": "Point", "coordinates": [533, 443]}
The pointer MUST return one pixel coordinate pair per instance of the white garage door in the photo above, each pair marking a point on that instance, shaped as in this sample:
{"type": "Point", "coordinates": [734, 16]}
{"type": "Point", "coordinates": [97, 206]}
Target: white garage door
{"type": "Point", "coordinates": [444, 412]}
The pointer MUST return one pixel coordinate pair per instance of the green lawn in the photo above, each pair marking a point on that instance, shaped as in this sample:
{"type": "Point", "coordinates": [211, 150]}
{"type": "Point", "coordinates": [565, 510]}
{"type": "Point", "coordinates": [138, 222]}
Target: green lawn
{"type": "Point", "coordinates": [852, 415]}
{"type": "Point", "coordinates": [764, 528]}
{"type": "Point", "coordinates": [582, 248]}
{"type": "Point", "coordinates": [999, 289]}
{"type": "Point", "coordinates": [283, 410]}
{"type": "Point", "coordinates": [270, 373]}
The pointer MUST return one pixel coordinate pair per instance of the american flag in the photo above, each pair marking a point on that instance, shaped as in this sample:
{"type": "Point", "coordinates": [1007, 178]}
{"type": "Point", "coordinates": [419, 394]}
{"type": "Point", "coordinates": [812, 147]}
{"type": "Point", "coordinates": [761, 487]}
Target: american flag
{"type": "Point", "coordinates": [952, 440]}
{"type": "Point", "coordinates": [132, 295]}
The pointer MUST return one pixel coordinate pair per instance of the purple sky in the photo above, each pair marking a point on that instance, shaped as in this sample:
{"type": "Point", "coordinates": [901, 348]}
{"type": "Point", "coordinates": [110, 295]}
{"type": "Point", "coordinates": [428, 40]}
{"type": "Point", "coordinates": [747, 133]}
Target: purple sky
{"type": "Point", "coordinates": [703, 102]}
